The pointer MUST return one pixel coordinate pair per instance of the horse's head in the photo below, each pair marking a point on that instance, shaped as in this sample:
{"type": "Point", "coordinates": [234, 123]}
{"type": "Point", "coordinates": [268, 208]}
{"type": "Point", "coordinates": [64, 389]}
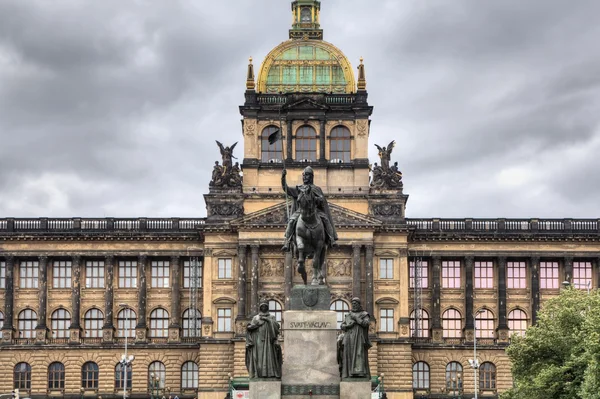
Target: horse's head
{"type": "Point", "coordinates": [306, 201]}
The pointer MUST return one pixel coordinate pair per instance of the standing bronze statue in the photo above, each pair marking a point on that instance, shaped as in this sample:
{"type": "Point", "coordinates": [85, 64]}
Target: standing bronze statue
{"type": "Point", "coordinates": [263, 352]}
{"type": "Point", "coordinates": [354, 343]}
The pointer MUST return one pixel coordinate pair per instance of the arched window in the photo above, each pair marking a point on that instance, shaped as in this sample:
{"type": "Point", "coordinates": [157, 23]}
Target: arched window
{"type": "Point", "coordinates": [517, 322]}
{"type": "Point", "coordinates": [157, 373]}
{"type": "Point", "coordinates": [56, 376]}
{"type": "Point", "coordinates": [276, 310]}
{"type": "Point", "coordinates": [159, 323]}
{"type": "Point", "coordinates": [189, 375]}
{"type": "Point", "coordinates": [487, 376]}
{"type": "Point", "coordinates": [60, 322]}
{"type": "Point", "coordinates": [306, 144]}
{"type": "Point", "coordinates": [22, 376]}
{"type": "Point", "coordinates": [339, 145]}
{"type": "Point", "coordinates": [192, 326]}
{"type": "Point", "coordinates": [123, 374]}
{"type": "Point", "coordinates": [270, 152]}
{"type": "Point", "coordinates": [89, 376]}
{"type": "Point", "coordinates": [422, 317]}
{"type": "Point", "coordinates": [454, 377]}
{"type": "Point", "coordinates": [27, 322]}
{"type": "Point", "coordinates": [420, 375]}
{"type": "Point", "coordinates": [341, 310]}
{"type": "Point", "coordinates": [92, 323]}
{"type": "Point", "coordinates": [484, 322]}
{"type": "Point", "coordinates": [126, 322]}
{"type": "Point", "coordinates": [452, 324]}
{"type": "Point", "coordinates": [1, 323]}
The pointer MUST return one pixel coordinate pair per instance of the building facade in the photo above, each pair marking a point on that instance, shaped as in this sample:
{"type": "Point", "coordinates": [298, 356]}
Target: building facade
{"type": "Point", "coordinates": [76, 294]}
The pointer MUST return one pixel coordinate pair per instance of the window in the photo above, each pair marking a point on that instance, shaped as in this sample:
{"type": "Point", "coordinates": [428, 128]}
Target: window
{"type": "Point", "coordinates": [192, 326]}
{"type": "Point", "coordinates": [484, 275]}
{"type": "Point", "coordinates": [89, 376]}
{"type": "Point", "coordinates": [582, 275]}
{"type": "Point", "coordinates": [454, 377]}
{"type": "Point", "coordinates": [341, 310]}
{"type": "Point", "coordinates": [56, 376]}
{"type": "Point", "coordinates": [128, 274]}
{"type": "Point", "coordinates": [119, 374]}
{"type": "Point", "coordinates": [61, 274]}
{"type": "Point", "coordinates": [92, 323]}
{"type": "Point", "coordinates": [60, 322]}
{"type": "Point", "coordinates": [2, 275]}
{"type": "Point", "coordinates": [27, 322]}
{"type": "Point", "coordinates": [419, 323]}
{"type": "Point", "coordinates": [160, 274]}
{"type": "Point", "coordinates": [450, 274]}
{"type": "Point", "coordinates": [386, 320]}
{"type": "Point", "coordinates": [28, 274]}
{"type": "Point", "coordinates": [189, 375]}
{"type": "Point", "coordinates": [94, 274]}
{"type": "Point", "coordinates": [225, 268]}
{"type": "Point", "coordinates": [192, 268]}
{"type": "Point", "coordinates": [386, 268]}
{"type": "Point", "coordinates": [157, 373]}
{"type": "Point", "coordinates": [484, 322]}
{"type": "Point", "coordinates": [420, 375]}
{"type": "Point", "coordinates": [159, 323]}
{"type": "Point", "coordinates": [487, 376]}
{"type": "Point", "coordinates": [306, 144]}
{"type": "Point", "coordinates": [126, 322]}
{"type": "Point", "coordinates": [270, 152]}
{"type": "Point", "coordinates": [276, 310]}
{"type": "Point", "coordinates": [421, 269]}
{"type": "Point", "coordinates": [224, 319]}
{"type": "Point", "coordinates": [517, 322]}
{"type": "Point", "coordinates": [339, 144]}
{"type": "Point", "coordinates": [452, 324]}
{"type": "Point", "coordinates": [22, 376]}
{"type": "Point", "coordinates": [549, 275]}
{"type": "Point", "coordinates": [517, 275]}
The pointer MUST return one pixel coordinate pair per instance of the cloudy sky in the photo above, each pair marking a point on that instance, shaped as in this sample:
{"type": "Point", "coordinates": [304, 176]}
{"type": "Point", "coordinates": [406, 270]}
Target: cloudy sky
{"type": "Point", "coordinates": [110, 108]}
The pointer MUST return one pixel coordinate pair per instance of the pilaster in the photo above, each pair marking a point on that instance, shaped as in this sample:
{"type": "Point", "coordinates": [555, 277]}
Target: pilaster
{"type": "Point", "coordinates": [369, 280]}
{"type": "Point", "coordinates": [568, 262]}
{"type": "Point", "coordinates": [108, 329]}
{"type": "Point", "coordinates": [436, 324]}
{"type": "Point", "coordinates": [140, 329]}
{"type": "Point", "coordinates": [322, 142]}
{"type": "Point", "coordinates": [535, 287]}
{"type": "Point", "coordinates": [469, 323]}
{"type": "Point", "coordinates": [288, 141]}
{"type": "Point", "coordinates": [502, 330]}
{"type": "Point", "coordinates": [356, 289]}
{"type": "Point", "coordinates": [254, 287]}
{"type": "Point", "coordinates": [175, 325]}
{"type": "Point", "coordinates": [75, 328]}
{"type": "Point", "coordinates": [242, 283]}
{"type": "Point", "coordinates": [41, 329]}
{"type": "Point", "coordinates": [7, 327]}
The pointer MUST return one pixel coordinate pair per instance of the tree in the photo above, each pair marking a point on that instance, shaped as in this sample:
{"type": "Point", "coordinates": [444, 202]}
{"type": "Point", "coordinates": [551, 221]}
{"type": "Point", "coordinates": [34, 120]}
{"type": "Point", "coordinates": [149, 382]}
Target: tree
{"type": "Point", "coordinates": [559, 357]}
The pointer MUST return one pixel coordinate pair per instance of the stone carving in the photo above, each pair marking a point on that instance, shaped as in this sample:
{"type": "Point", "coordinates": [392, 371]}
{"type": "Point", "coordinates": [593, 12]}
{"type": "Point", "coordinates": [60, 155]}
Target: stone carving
{"type": "Point", "coordinates": [362, 126]}
{"type": "Point", "coordinates": [267, 296]}
{"type": "Point", "coordinates": [249, 128]}
{"type": "Point", "coordinates": [387, 210]}
{"type": "Point", "coordinates": [227, 174]}
{"type": "Point", "coordinates": [354, 343]}
{"type": "Point", "coordinates": [263, 353]}
{"type": "Point", "coordinates": [226, 210]}
{"type": "Point", "coordinates": [271, 267]}
{"type": "Point", "coordinates": [385, 176]}
{"type": "Point", "coordinates": [339, 267]}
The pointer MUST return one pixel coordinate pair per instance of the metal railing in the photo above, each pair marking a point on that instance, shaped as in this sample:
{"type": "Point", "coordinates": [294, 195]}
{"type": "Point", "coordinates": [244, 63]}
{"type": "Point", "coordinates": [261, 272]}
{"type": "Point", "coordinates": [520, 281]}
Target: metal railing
{"type": "Point", "coordinates": [558, 226]}
{"type": "Point", "coordinates": [97, 225]}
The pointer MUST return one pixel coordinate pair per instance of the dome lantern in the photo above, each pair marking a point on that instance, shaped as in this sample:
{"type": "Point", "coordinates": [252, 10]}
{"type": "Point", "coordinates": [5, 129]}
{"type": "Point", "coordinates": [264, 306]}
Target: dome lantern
{"type": "Point", "coordinates": [305, 20]}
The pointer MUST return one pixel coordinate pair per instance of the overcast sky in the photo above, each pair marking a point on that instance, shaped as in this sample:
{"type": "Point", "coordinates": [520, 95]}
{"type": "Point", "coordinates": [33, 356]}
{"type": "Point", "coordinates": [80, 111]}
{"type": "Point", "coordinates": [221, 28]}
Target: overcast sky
{"type": "Point", "coordinates": [110, 108]}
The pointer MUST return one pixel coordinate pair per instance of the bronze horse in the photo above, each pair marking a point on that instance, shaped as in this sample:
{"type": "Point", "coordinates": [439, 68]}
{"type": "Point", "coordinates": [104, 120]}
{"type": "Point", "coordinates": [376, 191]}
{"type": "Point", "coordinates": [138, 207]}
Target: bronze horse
{"type": "Point", "coordinates": [310, 236]}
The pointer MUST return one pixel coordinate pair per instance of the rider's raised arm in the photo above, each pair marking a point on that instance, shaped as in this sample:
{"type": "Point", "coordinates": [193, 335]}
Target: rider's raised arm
{"type": "Point", "coordinates": [286, 189]}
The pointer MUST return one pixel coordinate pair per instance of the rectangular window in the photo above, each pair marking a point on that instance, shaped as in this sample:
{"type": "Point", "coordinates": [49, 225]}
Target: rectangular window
{"type": "Point", "coordinates": [128, 274]}
{"type": "Point", "coordinates": [516, 275]}
{"type": "Point", "coordinates": [61, 274]}
{"type": "Point", "coordinates": [94, 274]}
{"type": "Point", "coordinates": [549, 275]}
{"type": "Point", "coordinates": [160, 274]}
{"type": "Point", "coordinates": [484, 274]}
{"type": "Point", "coordinates": [224, 320]}
{"type": "Point", "coordinates": [192, 268]}
{"type": "Point", "coordinates": [386, 268]}
{"type": "Point", "coordinates": [421, 269]}
{"type": "Point", "coordinates": [386, 320]}
{"type": "Point", "coordinates": [28, 274]}
{"type": "Point", "coordinates": [2, 275]}
{"type": "Point", "coordinates": [582, 275]}
{"type": "Point", "coordinates": [225, 268]}
{"type": "Point", "coordinates": [450, 274]}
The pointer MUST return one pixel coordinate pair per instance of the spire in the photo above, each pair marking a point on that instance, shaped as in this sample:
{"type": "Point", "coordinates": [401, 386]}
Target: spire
{"type": "Point", "coordinates": [362, 77]}
{"type": "Point", "coordinates": [305, 17]}
{"type": "Point", "coordinates": [250, 85]}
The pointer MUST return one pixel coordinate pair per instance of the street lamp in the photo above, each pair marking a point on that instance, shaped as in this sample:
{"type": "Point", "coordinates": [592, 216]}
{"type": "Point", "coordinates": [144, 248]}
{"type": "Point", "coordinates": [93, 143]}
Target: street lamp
{"type": "Point", "coordinates": [474, 362]}
{"type": "Point", "coordinates": [587, 285]}
{"type": "Point", "coordinates": [154, 384]}
{"type": "Point", "coordinates": [125, 361]}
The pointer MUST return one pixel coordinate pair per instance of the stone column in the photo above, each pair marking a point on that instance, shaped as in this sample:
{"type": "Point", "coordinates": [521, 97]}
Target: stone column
{"type": "Point", "coordinates": [369, 278]}
{"type": "Point", "coordinates": [568, 269]}
{"type": "Point", "coordinates": [288, 141]}
{"type": "Point", "coordinates": [436, 323]}
{"type": "Point", "coordinates": [41, 329]}
{"type": "Point", "coordinates": [502, 325]}
{"type": "Point", "coordinates": [322, 142]}
{"type": "Point", "coordinates": [242, 282]}
{"type": "Point", "coordinates": [175, 325]}
{"type": "Point", "coordinates": [289, 278]}
{"type": "Point", "coordinates": [254, 287]}
{"type": "Point", "coordinates": [108, 328]}
{"type": "Point", "coordinates": [7, 328]}
{"type": "Point", "coordinates": [535, 288]}
{"type": "Point", "coordinates": [356, 271]}
{"type": "Point", "coordinates": [140, 329]}
{"type": "Point", "coordinates": [469, 324]}
{"type": "Point", "coordinates": [75, 329]}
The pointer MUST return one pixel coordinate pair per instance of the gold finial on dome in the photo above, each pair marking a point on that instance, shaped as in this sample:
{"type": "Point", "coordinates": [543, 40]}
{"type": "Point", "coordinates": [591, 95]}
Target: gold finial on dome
{"type": "Point", "coordinates": [362, 77]}
{"type": "Point", "coordinates": [250, 85]}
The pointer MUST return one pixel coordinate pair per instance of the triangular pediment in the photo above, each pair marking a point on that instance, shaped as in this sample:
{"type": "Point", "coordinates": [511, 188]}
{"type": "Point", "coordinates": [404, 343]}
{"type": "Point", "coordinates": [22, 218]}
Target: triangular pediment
{"type": "Point", "coordinates": [276, 216]}
{"type": "Point", "coordinates": [306, 103]}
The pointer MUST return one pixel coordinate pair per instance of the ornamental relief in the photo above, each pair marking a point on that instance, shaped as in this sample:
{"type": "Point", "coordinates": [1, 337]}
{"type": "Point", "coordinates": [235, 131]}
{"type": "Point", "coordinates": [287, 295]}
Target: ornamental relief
{"type": "Point", "coordinates": [344, 296]}
{"type": "Point", "coordinates": [271, 267]}
{"type": "Point", "coordinates": [362, 126]}
{"type": "Point", "coordinates": [339, 267]}
{"type": "Point", "coordinates": [272, 296]}
{"type": "Point", "coordinates": [340, 251]}
{"type": "Point", "coordinates": [250, 127]}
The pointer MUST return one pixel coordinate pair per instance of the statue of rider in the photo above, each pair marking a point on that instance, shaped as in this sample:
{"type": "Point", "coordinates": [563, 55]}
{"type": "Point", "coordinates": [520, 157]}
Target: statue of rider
{"type": "Point", "coordinates": [322, 208]}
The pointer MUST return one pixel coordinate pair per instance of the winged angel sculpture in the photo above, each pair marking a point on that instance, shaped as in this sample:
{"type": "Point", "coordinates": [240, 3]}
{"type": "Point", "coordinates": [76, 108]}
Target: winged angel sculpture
{"type": "Point", "coordinates": [386, 176]}
{"type": "Point", "coordinates": [227, 174]}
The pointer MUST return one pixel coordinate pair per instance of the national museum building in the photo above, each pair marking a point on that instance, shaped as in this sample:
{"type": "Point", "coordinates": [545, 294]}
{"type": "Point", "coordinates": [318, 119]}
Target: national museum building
{"type": "Point", "coordinates": [76, 294]}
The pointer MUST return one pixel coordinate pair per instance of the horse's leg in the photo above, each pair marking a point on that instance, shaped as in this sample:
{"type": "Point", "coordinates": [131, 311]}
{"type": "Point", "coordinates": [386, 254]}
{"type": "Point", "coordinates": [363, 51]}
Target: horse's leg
{"type": "Point", "coordinates": [322, 265]}
{"type": "Point", "coordinates": [301, 268]}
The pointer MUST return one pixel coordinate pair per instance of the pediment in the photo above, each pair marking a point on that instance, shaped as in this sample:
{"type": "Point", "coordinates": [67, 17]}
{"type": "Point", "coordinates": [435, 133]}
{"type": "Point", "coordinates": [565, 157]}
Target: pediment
{"type": "Point", "coordinates": [306, 103]}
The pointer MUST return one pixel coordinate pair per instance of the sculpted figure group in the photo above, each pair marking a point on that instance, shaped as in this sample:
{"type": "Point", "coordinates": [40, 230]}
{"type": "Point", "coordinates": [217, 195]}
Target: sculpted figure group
{"type": "Point", "coordinates": [386, 177]}
{"type": "Point", "coordinates": [227, 174]}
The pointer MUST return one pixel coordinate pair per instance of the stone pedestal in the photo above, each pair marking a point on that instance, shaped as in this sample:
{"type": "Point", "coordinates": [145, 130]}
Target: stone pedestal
{"type": "Point", "coordinates": [310, 297]}
{"type": "Point", "coordinates": [265, 389]}
{"type": "Point", "coordinates": [359, 389]}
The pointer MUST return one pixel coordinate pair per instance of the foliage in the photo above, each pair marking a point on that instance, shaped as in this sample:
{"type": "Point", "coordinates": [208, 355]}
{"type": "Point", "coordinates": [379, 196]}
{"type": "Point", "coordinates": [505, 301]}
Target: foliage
{"type": "Point", "coordinates": [559, 357]}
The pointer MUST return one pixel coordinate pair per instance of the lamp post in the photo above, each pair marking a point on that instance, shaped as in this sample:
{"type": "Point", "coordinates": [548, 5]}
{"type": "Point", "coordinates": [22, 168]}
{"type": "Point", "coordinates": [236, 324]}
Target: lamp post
{"type": "Point", "coordinates": [587, 285]}
{"type": "Point", "coordinates": [474, 362]}
{"type": "Point", "coordinates": [125, 361]}
{"type": "Point", "coordinates": [154, 384]}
